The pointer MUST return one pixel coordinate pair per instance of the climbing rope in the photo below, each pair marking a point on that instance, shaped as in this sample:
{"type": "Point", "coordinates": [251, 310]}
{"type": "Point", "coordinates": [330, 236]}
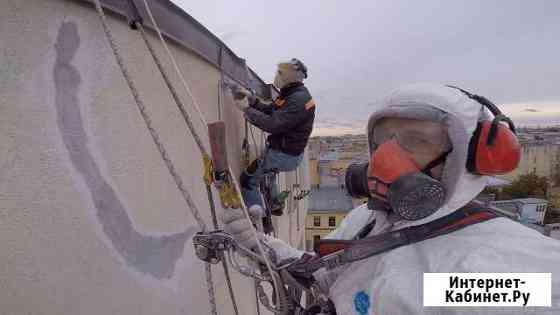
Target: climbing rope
{"type": "Point", "coordinates": [255, 142]}
{"type": "Point", "coordinates": [188, 121]}
{"type": "Point", "coordinates": [177, 70]}
{"type": "Point", "coordinates": [159, 144]}
{"type": "Point", "coordinates": [297, 200]}
{"type": "Point", "coordinates": [147, 119]}
{"type": "Point", "coordinates": [195, 105]}
{"type": "Point", "coordinates": [161, 148]}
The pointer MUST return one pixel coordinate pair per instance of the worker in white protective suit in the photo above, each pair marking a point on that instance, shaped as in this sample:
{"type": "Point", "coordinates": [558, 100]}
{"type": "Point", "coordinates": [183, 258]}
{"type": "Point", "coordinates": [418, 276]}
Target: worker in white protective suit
{"type": "Point", "coordinates": [439, 134]}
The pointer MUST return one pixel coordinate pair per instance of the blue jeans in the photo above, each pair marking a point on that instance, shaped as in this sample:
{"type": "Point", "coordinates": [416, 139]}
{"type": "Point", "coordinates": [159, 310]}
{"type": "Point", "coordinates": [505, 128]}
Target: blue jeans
{"type": "Point", "coordinates": [272, 160]}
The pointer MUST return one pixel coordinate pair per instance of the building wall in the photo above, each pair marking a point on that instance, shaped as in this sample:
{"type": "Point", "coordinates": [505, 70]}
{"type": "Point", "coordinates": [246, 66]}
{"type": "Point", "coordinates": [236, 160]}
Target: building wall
{"type": "Point", "coordinates": [528, 212]}
{"type": "Point", "coordinates": [534, 212]}
{"type": "Point", "coordinates": [311, 231]}
{"type": "Point", "coordinates": [539, 158]}
{"type": "Point", "coordinates": [91, 221]}
{"type": "Point", "coordinates": [314, 172]}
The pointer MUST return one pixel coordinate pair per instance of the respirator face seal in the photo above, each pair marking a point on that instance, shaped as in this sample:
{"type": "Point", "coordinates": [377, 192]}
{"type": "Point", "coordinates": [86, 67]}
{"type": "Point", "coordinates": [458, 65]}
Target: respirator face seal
{"type": "Point", "coordinates": [394, 178]}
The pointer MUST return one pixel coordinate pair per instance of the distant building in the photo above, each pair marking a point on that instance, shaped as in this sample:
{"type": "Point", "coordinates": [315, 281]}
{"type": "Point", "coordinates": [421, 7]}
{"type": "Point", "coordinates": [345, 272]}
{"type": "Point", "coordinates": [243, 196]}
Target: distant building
{"type": "Point", "coordinates": [314, 172]}
{"type": "Point", "coordinates": [331, 173]}
{"type": "Point", "coordinates": [327, 208]}
{"type": "Point", "coordinates": [327, 156]}
{"type": "Point", "coordinates": [528, 210]}
{"type": "Point", "coordinates": [542, 159]}
{"type": "Point", "coordinates": [552, 230]}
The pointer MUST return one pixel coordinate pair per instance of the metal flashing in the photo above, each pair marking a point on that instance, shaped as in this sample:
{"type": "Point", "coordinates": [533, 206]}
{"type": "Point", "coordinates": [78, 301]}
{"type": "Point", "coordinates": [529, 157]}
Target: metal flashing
{"type": "Point", "coordinates": [181, 28]}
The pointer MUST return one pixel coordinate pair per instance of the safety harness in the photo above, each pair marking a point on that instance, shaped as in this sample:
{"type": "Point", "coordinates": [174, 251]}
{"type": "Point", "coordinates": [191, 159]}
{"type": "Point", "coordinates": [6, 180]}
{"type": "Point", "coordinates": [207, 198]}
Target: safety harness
{"type": "Point", "coordinates": [331, 254]}
{"type": "Point", "coordinates": [335, 253]}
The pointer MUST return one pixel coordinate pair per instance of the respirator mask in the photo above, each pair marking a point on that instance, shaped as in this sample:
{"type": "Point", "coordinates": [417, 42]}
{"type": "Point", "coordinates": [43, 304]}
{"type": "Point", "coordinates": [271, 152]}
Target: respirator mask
{"type": "Point", "coordinates": [393, 177]}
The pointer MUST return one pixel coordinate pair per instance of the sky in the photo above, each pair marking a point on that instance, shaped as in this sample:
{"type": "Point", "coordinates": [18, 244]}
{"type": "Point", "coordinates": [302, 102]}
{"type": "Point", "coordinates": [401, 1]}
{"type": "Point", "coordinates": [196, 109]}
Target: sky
{"type": "Point", "coordinates": [357, 52]}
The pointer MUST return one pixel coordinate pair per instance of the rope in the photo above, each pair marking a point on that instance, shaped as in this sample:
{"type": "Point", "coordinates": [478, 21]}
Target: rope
{"type": "Point", "coordinates": [174, 93]}
{"type": "Point", "coordinates": [257, 298]}
{"type": "Point", "coordinates": [188, 121]}
{"type": "Point", "coordinates": [147, 119]}
{"type": "Point", "coordinates": [210, 287]}
{"type": "Point", "coordinates": [159, 144]}
{"type": "Point", "coordinates": [220, 92]}
{"type": "Point", "coordinates": [161, 148]}
{"type": "Point", "coordinates": [224, 264]}
{"type": "Point", "coordinates": [183, 81]}
{"type": "Point", "coordinates": [236, 183]}
{"type": "Point", "coordinates": [254, 141]}
{"type": "Point", "coordinates": [297, 201]}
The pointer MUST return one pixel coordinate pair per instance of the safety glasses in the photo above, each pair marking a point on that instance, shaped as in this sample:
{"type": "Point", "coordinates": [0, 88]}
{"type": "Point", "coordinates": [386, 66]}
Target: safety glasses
{"type": "Point", "coordinates": [414, 136]}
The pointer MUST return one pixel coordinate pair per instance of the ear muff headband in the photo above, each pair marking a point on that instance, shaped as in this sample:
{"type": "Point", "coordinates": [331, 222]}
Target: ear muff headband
{"type": "Point", "coordinates": [494, 148]}
{"type": "Point", "coordinates": [299, 66]}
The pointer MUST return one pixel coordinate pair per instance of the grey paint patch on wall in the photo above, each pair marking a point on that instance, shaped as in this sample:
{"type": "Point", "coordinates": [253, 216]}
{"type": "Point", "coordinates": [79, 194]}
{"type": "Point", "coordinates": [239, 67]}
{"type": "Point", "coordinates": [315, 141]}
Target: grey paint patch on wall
{"type": "Point", "coordinates": [150, 255]}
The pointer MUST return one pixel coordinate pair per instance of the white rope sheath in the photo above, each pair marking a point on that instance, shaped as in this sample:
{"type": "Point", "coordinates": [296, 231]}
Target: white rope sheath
{"type": "Point", "coordinates": [183, 81]}
{"type": "Point", "coordinates": [148, 121]}
{"type": "Point", "coordinates": [174, 93]}
{"type": "Point", "coordinates": [195, 104]}
{"type": "Point", "coordinates": [254, 141]}
{"type": "Point", "coordinates": [200, 145]}
{"type": "Point", "coordinates": [159, 144]}
{"type": "Point", "coordinates": [259, 244]}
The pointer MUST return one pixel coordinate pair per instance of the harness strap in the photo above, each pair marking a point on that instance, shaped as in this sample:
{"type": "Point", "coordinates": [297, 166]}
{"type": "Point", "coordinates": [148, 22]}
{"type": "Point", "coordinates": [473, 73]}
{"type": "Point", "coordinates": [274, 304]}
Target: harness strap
{"type": "Point", "coordinates": [334, 253]}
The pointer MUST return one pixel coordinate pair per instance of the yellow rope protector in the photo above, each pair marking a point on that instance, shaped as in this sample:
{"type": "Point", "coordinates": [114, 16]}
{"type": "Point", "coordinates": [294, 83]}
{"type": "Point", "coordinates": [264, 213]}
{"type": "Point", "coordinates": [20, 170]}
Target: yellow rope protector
{"type": "Point", "coordinates": [229, 196]}
{"type": "Point", "coordinates": [208, 170]}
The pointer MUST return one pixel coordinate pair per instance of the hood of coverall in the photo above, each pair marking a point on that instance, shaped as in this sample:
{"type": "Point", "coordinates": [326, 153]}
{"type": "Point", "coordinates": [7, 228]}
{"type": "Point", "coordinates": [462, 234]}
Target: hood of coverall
{"type": "Point", "coordinates": [442, 104]}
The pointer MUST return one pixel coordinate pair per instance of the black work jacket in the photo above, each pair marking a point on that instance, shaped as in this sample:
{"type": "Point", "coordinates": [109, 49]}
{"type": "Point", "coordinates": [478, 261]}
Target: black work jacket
{"type": "Point", "coordinates": [289, 119]}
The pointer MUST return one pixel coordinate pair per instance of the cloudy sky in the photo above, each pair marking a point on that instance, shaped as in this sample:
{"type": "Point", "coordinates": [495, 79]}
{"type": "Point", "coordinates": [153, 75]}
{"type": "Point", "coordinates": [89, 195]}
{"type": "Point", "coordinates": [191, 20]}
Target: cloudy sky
{"type": "Point", "coordinates": [358, 51]}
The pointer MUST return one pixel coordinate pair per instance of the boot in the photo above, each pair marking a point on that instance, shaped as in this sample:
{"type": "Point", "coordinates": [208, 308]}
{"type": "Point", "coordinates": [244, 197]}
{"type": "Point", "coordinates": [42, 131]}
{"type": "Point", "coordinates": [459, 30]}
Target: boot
{"type": "Point", "coordinates": [248, 173]}
{"type": "Point", "coordinates": [278, 203]}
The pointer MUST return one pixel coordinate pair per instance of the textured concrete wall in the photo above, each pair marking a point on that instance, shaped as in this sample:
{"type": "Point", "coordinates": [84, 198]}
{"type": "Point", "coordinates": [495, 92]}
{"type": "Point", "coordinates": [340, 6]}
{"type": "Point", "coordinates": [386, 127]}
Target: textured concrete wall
{"type": "Point", "coordinates": [91, 221]}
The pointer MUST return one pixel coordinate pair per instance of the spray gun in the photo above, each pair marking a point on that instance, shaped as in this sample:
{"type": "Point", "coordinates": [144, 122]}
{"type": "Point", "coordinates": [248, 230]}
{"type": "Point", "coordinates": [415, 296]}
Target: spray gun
{"type": "Point", "coordinates": [237, 91]}
{"type": "Point", "coordinates": [240, 92]}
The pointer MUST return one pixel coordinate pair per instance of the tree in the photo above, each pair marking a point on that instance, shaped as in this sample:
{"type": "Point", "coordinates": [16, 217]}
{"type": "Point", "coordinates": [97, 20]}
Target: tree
{"type": "Point", "coordinates": [551, 216]}
{"type": "Point", "coordinates": [527, 185]}
{"type": "Point", "coordinates": [490, 191]}
{"type": "Point", "coordinates": [556, 175]}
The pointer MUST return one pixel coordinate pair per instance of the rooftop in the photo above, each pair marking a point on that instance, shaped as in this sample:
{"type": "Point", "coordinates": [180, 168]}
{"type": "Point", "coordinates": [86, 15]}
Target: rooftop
{"type": "Point", "coordinates": [329, 199]}
{"type": "Point", "coordinates": [522, 200]}
{"type": "Point", "coordinates": [179, 27]}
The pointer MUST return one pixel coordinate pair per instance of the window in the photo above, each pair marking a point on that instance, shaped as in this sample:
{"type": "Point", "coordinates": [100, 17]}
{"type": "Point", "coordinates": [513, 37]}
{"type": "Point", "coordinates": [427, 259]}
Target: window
{"type": "Point", "coordinates": [332, 221]}
{"type": "Point", "coordinates": [316, 221]}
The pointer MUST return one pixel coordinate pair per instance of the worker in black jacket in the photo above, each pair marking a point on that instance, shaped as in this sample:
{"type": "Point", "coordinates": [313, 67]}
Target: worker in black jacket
{"type": "Point", "coordinates": [288, 120]}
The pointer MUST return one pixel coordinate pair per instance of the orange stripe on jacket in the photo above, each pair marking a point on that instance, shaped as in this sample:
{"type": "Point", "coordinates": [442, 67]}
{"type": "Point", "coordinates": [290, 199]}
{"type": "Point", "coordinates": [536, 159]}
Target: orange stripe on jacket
{"type": "Point", "coordinates": [279, 102]}
{"type": "Point", "coordinates": [309, 105]}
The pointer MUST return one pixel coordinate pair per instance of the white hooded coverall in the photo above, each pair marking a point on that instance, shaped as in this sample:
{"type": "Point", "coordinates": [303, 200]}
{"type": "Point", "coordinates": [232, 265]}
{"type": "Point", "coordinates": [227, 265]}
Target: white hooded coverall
{"type": "Point", "coordinates": [392, 282]}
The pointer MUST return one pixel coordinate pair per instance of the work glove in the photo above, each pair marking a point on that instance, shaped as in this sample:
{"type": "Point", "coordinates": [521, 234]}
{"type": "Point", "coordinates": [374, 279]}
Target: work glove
{"type": "Point", "coordinates": [237, 225]}
{"type": "Point", "coordinates": [242, 97]}
{"type": "Point", "coordinates": [282, 251]}
{"type": "Point", "coordinates": [241, 104]}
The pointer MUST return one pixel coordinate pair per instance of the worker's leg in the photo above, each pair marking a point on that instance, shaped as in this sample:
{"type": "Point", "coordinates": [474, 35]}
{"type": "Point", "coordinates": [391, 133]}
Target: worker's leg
{"type": "Point", "coordinates": [249, 181]}
{"type": "Point", "coordinates": [272, 160]}
{"type": "Point", "coordinates": [281, 162]}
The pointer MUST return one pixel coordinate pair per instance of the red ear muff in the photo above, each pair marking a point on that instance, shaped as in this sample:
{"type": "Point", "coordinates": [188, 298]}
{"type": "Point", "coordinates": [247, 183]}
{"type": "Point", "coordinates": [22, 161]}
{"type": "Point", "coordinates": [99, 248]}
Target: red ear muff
{"type": "Point", "coordinates": [493, 149]}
